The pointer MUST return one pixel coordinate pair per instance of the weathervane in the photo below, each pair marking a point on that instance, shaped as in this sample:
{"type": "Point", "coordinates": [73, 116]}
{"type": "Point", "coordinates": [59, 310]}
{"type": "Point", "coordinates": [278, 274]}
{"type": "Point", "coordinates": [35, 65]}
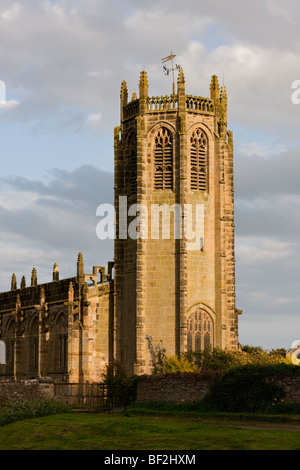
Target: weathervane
{"type": "Point", "coordinates": [171, 69]}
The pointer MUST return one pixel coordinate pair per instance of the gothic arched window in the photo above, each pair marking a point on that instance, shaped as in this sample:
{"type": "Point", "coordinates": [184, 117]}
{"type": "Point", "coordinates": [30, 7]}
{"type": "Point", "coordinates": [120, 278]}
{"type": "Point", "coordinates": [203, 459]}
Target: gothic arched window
{"type": "Point", "coordinates": [199, 330]}
{"type": "Point", "coordinates": [131, 164]}
{"type": "Point", "coordinates": [133, 170]}
{"type": "Point", "coordinates": [199, 161]}
{"type": "Point", "coordinates": [11, 348]}
{"type": "Point", "coordinates": [163, 159]}
{"type": "Point", "coordinates": [34, 346]}
{"type": "Point", "coordinates": [61, 343]}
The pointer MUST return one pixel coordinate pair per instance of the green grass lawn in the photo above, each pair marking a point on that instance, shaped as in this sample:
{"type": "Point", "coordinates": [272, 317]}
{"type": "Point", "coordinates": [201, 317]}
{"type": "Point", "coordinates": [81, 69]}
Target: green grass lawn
{"type": "Point", "coordinates": [138, 431]}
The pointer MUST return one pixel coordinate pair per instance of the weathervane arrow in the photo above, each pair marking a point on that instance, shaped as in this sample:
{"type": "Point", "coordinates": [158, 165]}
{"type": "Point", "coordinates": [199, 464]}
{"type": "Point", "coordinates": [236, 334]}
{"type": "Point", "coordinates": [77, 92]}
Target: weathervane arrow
{"type": "Point", "coordinates": [172, 69]}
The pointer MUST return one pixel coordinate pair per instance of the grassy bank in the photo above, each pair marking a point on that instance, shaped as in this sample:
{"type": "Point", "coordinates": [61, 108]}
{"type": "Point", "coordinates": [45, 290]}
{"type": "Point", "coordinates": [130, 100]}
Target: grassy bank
{"type": "Point", "coordinates": [136, 429]}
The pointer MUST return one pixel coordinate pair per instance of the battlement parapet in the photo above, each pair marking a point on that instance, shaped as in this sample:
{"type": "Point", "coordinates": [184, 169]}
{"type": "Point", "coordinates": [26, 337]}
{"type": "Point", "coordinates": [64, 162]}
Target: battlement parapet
{"type": "Point", "coordinates": [56, 291]}
{"type": "Point", "coordinates": [169, 103]}
{"type": "Point", "coordinates": [29, 297]}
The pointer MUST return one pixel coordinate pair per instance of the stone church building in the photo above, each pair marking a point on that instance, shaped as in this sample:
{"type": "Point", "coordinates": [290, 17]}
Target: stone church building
{"type": "Point", "coordinates": [171, 152]}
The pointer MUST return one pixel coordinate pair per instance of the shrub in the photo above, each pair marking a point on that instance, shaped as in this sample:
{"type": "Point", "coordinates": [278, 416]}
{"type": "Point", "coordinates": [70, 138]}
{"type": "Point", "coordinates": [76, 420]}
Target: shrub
{"type": "Point", "coordinates": [27, 409]}
{"type": "Point", "coordinates": [175, 364]}
{"type": "Point", "coordinates": [121, 387]}
{"type": "Point", "coordinates": [158, 356]}
{"type": "Point", "coordinates": [225, 359]}
{"type": "Point", "coordinates": [246, 389]}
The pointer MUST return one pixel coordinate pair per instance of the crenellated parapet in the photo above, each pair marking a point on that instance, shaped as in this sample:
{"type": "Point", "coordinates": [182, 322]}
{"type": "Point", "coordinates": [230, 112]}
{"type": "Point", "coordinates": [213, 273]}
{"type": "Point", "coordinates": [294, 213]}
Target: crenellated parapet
{"type": "Point", "coordinates": [179, 103]}
{"type": "Point", "coordinates": [55, 291]}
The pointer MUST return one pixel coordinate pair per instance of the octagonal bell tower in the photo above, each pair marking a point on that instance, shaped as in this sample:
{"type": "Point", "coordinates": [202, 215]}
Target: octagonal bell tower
{"type": "Point", "coordinates": [173, 163]}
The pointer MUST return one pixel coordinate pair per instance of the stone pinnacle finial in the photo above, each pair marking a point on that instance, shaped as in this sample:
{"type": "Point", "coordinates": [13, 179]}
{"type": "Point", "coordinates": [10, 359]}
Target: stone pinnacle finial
{"type": "Point", "coordinates": [143, 93]}
{"type": "Point", "coordinates": [181, 96]}
{"type": "Point", "coordinates": [80, 268]}
{"type": "Point", "coordinates": [23, 282]}
{"type": "Point", "coordinates": [180, 78]}
{"type": "Point", "coordinates": [223, 102]}
{"type": "Point", "coordinates": [214, 88]}
{"type": "Point", "coordinates": [34, 277]}
{"type": "Point", "coordinates": [223, 94]}
{"type": "Point", "coordinates": [124, 92]}
{"type": "Point", "coordinates": [123, 97]}
{"type": "Point", "coordinates": [55, 272]}
{"type": "Point", "coordinates": [13, 282]}
{"type": "Point", "coordinates": [144, 80]}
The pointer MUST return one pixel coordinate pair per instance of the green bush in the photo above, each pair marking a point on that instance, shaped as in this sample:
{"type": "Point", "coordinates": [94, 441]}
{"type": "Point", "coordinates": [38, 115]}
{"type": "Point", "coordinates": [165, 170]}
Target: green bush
{"type": "Point", "coordinates": [169, 406]}
{"type": "Point", "coordinates": [225, 359]}
{"type": "Point", "coordinates": [17, 411]}
{"type": "Point", "coordinates": [121, 387]}
{"type": "Point", "coordinates": [246, 389]}
{"type": "Point", "coordinates": [175, 364]}
{"type": "Point", "coordinates": [212, 358]}
{"type": "Point", "coordinates": [158, 356]}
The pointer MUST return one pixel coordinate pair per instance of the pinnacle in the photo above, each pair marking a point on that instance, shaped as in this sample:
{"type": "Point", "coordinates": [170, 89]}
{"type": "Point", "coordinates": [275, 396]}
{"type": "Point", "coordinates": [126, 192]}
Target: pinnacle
{"type": "Point", "coordinates": [143, 79]}
{"type": "Point", "coordinates": [214, 82]}
{"type": "Point", "coordinates": [223, 92]}
{"type": "Point", "coordinates": [181, 78]}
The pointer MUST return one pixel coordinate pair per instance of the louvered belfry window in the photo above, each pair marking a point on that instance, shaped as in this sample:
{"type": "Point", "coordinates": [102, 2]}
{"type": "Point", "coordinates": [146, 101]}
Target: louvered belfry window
{"type": "Point", "coordinates": [131, 158]}
{"type": "Point", "coordinates": [163, 159]}
{"type": "Point", "coordinates": [133, 170]}
{"type": "Point", "coordinates": [199, 161]}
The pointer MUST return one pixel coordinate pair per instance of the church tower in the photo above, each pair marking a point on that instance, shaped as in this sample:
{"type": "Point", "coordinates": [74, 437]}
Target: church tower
{"type": "Point", "coordinates": [174, 266]}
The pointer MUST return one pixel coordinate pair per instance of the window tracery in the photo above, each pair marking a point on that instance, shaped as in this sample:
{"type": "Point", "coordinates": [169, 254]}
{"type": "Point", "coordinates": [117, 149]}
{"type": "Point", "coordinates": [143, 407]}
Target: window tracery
{"type": "Point", "coordinates": [163, 159]}
{"type": "Point", "coordinates": [199, 161]}
{"type": "Point", "coordinates": [199, 330]}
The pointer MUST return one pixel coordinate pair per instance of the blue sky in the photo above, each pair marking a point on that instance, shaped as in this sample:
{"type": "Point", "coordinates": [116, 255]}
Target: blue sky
{"type": "Point", "coordinates": [63, 63]}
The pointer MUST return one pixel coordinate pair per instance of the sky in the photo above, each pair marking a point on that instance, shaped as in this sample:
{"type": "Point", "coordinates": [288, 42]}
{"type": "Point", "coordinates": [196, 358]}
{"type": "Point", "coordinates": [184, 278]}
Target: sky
{"type": "Point", "coordinates": [62, 63]}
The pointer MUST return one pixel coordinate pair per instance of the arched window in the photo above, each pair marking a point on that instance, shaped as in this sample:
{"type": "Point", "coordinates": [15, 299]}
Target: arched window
{"type": "Point", "coordinates": [34, 346]}
{"type": "Point", "coordinates": [2, 353]}
{"type": "Point", "coordinates": [131, 164]}
{"type": "Point", "coordinates": [61, 344]}
{"type": "Point", "coordinates": [11, 348]}
{"type": "Point", "coordinates": [133, 171]}
{"type": "Point", "coordinates": [199, 330]}
{"type": "Point", "coordinates": [199, 161]}
{"type": "Point", "coordinates": [163, 159]}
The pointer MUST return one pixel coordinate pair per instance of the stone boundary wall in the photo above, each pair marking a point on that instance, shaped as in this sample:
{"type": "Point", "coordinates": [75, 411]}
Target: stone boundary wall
{"type": "Point", "coordinates": [11, 391]}
{"type": "Point", "coordinates": [175, 387]}
{"type": "Point", "coordinates": [291, 386]}
{"type": "Point", "coordinates": [167, 387]}
{"type": "Point", "coordinates": [191, 386]}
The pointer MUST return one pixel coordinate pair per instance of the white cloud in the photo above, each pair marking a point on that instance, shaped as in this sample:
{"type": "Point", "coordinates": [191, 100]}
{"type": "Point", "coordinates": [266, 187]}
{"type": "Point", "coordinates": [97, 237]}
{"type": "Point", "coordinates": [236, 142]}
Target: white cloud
{"type": "Point", "coordinates": [258, 250]}
{"type": "Point", "coordinates": [10, 104]}
{"type": "Point", "coordinates": [11, 14]}
{"type": "Point", "coordinates": [43, 223]}
{"type": "Point", "coordinates": [94, 118]}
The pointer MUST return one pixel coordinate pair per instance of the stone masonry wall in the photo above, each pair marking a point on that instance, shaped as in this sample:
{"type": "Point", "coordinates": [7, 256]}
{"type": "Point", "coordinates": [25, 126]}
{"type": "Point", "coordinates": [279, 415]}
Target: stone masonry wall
{"type": "Point", "coordinates": [190, 386]}
{"type": "Point", "coordinates": [26, 390]}
{"type": "Point", "coordinates": [291, 386]}
{"type": "Point", "coordinates": [167, 387]}
{"type": "Point", "coordinates": [174, 387]}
